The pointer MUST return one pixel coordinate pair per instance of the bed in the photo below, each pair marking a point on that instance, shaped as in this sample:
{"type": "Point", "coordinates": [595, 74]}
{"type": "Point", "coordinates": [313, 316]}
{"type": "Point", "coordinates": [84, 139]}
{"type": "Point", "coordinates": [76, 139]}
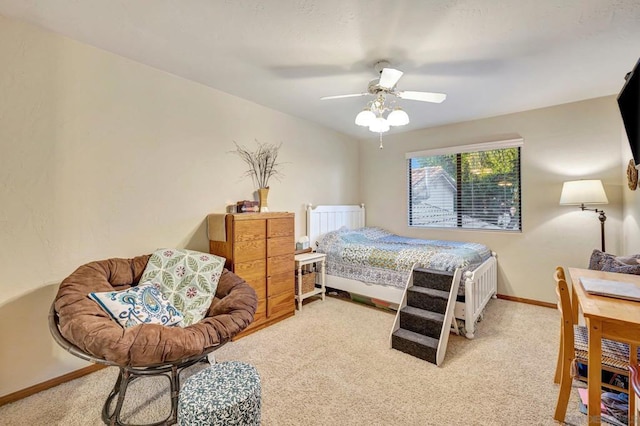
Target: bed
{"type": "Point", "coordinates": [366, 272]}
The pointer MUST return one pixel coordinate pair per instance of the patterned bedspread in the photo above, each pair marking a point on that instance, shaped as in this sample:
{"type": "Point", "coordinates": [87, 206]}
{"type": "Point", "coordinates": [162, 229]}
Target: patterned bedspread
{"type": "Point", "coordinates": [376, 256]}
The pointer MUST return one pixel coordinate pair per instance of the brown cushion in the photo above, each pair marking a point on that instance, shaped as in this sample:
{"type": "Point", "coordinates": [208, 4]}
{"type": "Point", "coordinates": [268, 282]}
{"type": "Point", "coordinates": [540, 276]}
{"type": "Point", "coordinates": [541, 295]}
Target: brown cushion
{"type": "Point", "coordinates": [90, 328]}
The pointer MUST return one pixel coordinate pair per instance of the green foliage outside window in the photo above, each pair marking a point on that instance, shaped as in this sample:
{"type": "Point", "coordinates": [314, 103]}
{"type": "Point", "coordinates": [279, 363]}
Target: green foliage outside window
{"type": "Point", "coordinates": [485, 189]}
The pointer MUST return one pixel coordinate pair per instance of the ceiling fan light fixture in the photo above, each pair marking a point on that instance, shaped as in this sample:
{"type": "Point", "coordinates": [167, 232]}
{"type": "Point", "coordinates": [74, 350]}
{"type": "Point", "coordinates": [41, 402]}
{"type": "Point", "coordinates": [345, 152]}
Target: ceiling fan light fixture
{"type": "Point", "coordinates": [398, 117]}
{"type": "Point", "coordinates": [365, 117]}
{"type": "Point", "coordinates": [382, 88]}
{"type": "Point", "coordinates": [379, 125]}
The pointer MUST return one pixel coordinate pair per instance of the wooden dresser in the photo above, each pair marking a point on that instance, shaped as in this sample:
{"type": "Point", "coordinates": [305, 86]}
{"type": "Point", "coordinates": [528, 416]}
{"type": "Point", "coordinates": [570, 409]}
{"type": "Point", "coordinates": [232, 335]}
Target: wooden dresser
{"type": "Point", "coordinates": [259, 247]}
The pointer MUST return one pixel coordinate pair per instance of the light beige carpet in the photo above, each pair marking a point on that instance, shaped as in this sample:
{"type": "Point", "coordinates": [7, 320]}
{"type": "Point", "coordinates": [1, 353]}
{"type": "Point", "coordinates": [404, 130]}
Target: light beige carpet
{"type": "Point", "coordinates": [331, 364]}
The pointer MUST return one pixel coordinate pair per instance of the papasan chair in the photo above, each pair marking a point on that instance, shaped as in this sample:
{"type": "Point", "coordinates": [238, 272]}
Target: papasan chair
{"type": "Point", "coordinates": [85, 329]}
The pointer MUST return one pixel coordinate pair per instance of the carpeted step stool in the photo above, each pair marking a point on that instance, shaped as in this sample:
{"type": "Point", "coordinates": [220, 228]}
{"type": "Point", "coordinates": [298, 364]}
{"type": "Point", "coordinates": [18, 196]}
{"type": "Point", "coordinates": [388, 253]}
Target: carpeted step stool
{"type": "Point", "coordinates": [424, 317]}
{"type": "Point", "coordinates": [227, 393]}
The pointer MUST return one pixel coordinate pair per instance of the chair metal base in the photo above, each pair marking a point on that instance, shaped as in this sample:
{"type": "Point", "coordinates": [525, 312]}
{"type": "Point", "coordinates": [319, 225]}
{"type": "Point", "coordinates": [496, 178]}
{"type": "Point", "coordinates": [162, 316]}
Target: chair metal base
{"type": "Point", "coordinates": [129, 374]}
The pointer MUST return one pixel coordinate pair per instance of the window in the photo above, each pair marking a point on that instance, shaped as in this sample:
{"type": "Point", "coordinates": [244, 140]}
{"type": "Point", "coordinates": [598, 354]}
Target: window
{"type": "Point", "coordinates": [469, 187]}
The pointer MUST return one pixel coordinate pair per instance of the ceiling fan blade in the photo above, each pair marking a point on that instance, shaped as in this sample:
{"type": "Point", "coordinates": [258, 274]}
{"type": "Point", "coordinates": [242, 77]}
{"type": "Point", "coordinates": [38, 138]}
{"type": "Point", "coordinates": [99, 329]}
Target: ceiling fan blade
{"type": "Point", "coordinates": [353, 95]}
{"type": "Point", "coordinates": [389, 77]}
{"type": "Point", "coordinates": [422, 96]}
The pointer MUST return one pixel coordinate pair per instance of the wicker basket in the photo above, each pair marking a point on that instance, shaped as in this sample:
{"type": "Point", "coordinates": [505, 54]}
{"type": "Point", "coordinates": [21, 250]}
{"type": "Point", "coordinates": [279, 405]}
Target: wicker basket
{"type": "Point", "coordinates": [308, 282]}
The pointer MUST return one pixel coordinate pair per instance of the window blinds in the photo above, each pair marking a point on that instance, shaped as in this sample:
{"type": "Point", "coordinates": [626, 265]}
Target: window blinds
{"type": "Point", "coordinates": [472, 187]}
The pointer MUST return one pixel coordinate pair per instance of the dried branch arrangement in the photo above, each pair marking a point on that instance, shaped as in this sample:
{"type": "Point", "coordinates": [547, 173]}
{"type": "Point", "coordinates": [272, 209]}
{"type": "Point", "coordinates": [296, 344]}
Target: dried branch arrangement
{"type": "Point", "coordinates": [263, 162]}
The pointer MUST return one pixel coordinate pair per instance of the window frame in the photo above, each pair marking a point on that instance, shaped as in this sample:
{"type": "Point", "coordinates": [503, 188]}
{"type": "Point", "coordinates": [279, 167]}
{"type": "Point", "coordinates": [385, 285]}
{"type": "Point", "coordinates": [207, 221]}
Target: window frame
{"type": "Point", "coordinates": [457, 150]}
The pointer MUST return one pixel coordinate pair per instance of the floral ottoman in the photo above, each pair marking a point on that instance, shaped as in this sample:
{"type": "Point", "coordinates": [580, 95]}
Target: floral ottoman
{"type": "Point", "coordinates": [227, 393]}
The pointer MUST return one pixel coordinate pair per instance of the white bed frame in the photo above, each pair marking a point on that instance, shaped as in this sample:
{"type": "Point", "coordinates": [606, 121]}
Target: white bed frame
{"type": "Point", "coordinates": [480, 284]}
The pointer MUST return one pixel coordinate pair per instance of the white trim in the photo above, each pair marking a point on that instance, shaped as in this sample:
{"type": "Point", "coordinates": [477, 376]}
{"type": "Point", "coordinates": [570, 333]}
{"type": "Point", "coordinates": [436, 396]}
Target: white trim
{"type": "Point", "coordinates": [484, 146]}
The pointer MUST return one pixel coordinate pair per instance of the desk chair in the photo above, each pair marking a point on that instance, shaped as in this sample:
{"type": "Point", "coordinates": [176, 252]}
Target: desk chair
{"type": "Point", "coordinates": [574, 349]}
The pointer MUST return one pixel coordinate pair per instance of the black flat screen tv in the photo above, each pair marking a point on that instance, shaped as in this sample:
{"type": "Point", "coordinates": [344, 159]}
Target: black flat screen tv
{"type": "Point", "coordinates": [629, 104]}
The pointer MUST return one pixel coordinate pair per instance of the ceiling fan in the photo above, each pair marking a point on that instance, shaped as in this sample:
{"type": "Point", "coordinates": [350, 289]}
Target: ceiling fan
{"type": "Point", "coordinates": [386, 84]}
{"type": "Point", "coordinates": [372, 116]}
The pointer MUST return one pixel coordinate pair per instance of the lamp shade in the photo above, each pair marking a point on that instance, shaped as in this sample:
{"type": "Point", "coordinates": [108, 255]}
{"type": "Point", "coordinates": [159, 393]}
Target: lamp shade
{"type": "Point", "coordinates": [379, 125]}
{"type": "Point", "coordinates": [398, 117]}
{"type": "Point", "coordinates": [577, 192]}
{"type": "Point", "coordinates": [365, 118]}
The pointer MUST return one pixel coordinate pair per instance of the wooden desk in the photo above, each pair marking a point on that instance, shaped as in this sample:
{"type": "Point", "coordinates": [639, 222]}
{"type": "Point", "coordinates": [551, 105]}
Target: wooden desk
{"type": "Point", "coordinates": [609, 318]}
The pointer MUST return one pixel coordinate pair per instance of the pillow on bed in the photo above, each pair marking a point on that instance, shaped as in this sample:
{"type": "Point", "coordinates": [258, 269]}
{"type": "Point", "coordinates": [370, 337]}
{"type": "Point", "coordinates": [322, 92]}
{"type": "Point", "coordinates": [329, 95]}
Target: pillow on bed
{"type": "Point", "coordinates": [602, 261]}
{"type": "Point", "coordinates": [187, 278]}
{"type": "Point", "coordinates": [143, 304]}
{"type": "Point", "coordinates": [373, 232]}
{"type": "Point", "coordinates": [326, 240]}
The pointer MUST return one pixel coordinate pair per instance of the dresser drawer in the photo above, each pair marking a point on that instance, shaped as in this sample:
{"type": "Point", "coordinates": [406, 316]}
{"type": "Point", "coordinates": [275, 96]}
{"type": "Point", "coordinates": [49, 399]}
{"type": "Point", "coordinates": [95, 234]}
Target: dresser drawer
{"type": "Point", "coordinates": [249, 250]}
{"type": "Point", "coordinates": [261, 311]}
{"type": "Point", "coordinates": [281, 304]}
{"type": "Point", "coordinates": [280, 265]}
{"type": "Point", "coordinates": [251, 270]}
{"type": "Point", "coordinates": [258, 284]}
{"type": "Point", "coordinates": [259, 319]}
{"type": "Point", "coordinates": [281, 227]}
{"type": "Point", "coordinates": [248, 230]}
{"type": "Point", "coordinates": [254, 273]}
{"type": "Point", "coordinates": [280, 245]}
{"type": "Point", "coordinates": [280, 283]}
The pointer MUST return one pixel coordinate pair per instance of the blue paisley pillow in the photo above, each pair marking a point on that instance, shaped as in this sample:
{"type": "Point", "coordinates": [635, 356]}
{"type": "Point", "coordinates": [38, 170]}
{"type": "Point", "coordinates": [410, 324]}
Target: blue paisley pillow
{"type": "Point", "coordinates": [143, 304]}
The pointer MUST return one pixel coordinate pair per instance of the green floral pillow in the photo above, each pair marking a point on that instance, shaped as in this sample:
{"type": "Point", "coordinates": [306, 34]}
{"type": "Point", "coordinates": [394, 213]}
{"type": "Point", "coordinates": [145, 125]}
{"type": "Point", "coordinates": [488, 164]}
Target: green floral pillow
{"type": "Point", "coordinates": [187, 278]}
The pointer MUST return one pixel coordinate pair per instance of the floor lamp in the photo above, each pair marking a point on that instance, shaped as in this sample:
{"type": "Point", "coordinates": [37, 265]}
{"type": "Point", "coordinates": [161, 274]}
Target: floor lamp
{"type": "Point", "coordinates": [581, 192]}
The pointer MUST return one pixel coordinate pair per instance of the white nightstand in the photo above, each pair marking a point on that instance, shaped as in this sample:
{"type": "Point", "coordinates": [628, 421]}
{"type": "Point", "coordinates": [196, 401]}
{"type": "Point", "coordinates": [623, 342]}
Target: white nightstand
{"type": "Point", "coordinates": [308, 259]}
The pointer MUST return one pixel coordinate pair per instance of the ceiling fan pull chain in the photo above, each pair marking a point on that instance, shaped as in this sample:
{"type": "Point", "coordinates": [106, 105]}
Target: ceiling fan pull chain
{"type": "Point", "coordinates": [380, 140]}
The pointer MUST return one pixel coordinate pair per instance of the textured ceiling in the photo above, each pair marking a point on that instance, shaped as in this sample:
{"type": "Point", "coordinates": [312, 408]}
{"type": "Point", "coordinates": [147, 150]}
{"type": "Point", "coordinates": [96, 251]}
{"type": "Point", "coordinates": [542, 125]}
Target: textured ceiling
{"type": "Point", "coordinates": [491, 57]}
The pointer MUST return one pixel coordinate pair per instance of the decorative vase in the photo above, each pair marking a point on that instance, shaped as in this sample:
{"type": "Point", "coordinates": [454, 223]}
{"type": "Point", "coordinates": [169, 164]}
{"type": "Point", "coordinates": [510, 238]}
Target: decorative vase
{"type": "Point", "coordinates": [262, 196]}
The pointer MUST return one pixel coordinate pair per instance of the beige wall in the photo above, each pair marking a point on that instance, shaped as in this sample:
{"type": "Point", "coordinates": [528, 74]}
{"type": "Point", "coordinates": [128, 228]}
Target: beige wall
{"type": "Point", "coordinates": [104, 157]}
{"type": "Point", "coordinates": [565, 142]}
